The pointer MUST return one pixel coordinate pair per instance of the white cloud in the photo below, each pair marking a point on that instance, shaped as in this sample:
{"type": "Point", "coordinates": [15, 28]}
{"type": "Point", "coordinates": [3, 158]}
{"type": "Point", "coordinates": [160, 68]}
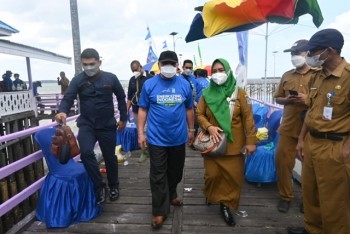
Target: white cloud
{"type": "Point", "coordinates": [117, 29]}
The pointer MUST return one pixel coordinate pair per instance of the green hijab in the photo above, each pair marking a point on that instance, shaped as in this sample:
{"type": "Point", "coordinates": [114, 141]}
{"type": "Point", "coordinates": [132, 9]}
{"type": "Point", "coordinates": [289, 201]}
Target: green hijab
{"type": "Point", "coordinates": [216, 98]}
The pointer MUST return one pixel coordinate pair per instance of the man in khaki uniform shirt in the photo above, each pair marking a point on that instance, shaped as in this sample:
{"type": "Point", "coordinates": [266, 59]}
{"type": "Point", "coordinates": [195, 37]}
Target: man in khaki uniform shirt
{"type": "Point", "coordinates": [324, 141]}
{"type": "Point", "coordinates": [294, 109]}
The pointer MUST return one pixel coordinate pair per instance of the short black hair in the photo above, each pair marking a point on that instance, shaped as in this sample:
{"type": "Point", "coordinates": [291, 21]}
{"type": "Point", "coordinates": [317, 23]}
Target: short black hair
{"type": "Point", "coordinates": [202, 73]}
{"type": "Point", "coordinates": [187, 61]}
{"type": "Point", "coordinates": [135, 62]}
{"type": "Point", "coordinates": [90, 53]}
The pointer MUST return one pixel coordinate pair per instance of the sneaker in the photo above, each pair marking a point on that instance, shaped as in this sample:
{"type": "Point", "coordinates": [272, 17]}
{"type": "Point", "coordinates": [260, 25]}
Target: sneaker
{"type": "Point", "coordinates": [142, 158]}
{"type": "Point", "coordinates": [283, 206]}
{"type": "Point", "coordinates": [113, 194]}
{"type": "Point", "coordinates": [101, 197]}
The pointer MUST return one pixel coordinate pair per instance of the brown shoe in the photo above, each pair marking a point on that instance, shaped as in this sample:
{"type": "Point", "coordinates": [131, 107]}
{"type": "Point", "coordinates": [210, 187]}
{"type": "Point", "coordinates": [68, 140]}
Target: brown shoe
{"type": "Point", "coordinates": [176, 202]}
{"type": "Point", "coordinates": [157, 221]}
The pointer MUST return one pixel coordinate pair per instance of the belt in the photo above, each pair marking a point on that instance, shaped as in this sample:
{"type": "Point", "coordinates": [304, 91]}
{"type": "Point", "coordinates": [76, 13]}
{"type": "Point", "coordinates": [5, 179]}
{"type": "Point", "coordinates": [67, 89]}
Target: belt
{"type": "Point", "coordinates": [330, 135]}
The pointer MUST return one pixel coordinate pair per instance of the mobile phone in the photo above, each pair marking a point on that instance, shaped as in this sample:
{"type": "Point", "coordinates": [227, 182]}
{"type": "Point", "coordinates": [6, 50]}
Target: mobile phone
{"type": "Point", "coordinates": [293, 92]}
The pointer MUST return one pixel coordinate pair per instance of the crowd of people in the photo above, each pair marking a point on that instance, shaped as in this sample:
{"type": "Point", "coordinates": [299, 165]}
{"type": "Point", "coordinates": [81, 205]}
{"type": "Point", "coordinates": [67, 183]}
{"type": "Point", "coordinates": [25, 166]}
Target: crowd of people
{"type": "Point", "coordinates": [170, 107]}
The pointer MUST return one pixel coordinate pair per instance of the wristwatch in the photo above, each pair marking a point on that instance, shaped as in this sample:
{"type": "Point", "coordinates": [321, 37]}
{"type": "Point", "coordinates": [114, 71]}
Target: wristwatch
{"type": "Point", "coordinates": [191, 130]}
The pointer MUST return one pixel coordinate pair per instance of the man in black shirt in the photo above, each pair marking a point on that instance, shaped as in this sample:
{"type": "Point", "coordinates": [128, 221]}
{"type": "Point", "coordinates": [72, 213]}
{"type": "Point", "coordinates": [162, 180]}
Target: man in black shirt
{"type": "Point", "coordinates": [134, 90]}
{"type": "Point", "coordinates": [96, 121]}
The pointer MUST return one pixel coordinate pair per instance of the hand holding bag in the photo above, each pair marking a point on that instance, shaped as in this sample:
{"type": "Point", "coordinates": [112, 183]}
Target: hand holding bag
{"type": "Point", "coordinates": [205, 145]}
{"type": "Point", "coordinates": [64, 144]}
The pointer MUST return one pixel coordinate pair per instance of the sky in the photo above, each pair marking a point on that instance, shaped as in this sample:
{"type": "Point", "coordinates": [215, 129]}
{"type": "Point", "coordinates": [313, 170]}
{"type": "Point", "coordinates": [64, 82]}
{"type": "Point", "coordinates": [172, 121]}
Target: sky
{"type": "Point", "coordinates": [117, 30]}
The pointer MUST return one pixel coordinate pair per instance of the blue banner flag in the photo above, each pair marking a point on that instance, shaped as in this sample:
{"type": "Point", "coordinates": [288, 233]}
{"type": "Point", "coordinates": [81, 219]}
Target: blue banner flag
{"type": "Point", "coordinates": [151, 57]}
{"type": "Point", "coordinates": [165, 46]}
{"type": "Point", "coordinates": [148, 36]}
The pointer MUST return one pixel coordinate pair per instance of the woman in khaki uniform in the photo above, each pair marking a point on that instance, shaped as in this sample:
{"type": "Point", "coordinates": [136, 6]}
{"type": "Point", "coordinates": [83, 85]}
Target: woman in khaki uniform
{"type": "Point", "coordinates": [224, 174]}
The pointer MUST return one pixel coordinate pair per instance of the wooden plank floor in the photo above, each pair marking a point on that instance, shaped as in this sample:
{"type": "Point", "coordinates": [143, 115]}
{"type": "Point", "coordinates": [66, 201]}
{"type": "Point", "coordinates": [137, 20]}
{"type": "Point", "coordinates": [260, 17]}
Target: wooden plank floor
{"type": "Point", "coordinates": [131, 213]}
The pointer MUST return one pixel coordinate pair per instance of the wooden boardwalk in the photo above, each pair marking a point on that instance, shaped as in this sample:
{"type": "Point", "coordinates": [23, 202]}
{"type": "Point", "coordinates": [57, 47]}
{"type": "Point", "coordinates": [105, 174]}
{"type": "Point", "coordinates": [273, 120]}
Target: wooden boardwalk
{"type": "Point", "coordinates": [131, 213]}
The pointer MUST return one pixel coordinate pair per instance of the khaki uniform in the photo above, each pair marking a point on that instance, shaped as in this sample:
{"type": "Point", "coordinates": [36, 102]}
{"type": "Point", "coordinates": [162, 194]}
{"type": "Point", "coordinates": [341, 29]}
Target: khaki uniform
{"type": "Point", "coordinates": [326, 176]}
{"type": "Point", "coordinates": [224, 175]}
{"type": "Point", "coordinates": [289, 129]}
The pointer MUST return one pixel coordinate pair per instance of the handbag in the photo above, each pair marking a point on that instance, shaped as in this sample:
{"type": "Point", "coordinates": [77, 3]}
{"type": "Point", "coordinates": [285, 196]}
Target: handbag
{"type": "Point", "coordinates": [64, 144]}
{"type": "Point", "coordinates": [205, 145]}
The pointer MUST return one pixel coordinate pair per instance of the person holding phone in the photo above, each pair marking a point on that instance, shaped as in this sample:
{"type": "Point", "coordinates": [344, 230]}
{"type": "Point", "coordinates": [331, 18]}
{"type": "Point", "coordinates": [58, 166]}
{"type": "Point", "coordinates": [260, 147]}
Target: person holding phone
{"type": "Point", "coordinates": [291, 92]}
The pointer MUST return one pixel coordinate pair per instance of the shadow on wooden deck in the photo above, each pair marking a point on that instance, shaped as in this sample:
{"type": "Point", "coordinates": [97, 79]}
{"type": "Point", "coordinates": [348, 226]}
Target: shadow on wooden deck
{"type": "Point", "coordinates": [131, 213]}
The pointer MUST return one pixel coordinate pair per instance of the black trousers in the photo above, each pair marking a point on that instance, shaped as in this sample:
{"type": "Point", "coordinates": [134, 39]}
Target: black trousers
{"type": "Point", "coordinates": [87, 139]}
{"type": "Point", "coordinates": [166, 172]}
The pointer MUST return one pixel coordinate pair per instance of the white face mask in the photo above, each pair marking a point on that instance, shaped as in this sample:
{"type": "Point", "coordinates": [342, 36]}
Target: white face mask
{"type": "Point", "coordinates": [187, 72]}
{"type": "Point", "coordinates": [219, 78]}
{"type": "Point", "coordinates": [298, 61]}
{"type": "Point", "coordinates": [315, 61]}
{"type": "Point", "coordinates": [168, 71]}
{"type": "Point", "coordinates": [136, 74]}
{"type": "Point", "coordinates": [91, 70]}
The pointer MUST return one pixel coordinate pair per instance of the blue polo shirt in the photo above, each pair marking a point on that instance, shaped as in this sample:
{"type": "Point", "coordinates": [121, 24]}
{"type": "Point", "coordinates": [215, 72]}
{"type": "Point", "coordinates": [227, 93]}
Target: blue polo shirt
{"type": "Point", "coordinates": [166, 102]}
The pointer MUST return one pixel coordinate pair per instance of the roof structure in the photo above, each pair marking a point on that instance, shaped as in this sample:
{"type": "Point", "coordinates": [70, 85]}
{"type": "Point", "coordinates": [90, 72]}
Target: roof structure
{"type": "Point", "coordinates": [6, 30]}
{"type": "Point", "coordinates": [12, 48]}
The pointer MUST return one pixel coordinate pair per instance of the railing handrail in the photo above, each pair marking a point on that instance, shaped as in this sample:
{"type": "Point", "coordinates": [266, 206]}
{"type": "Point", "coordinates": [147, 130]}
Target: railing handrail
{"type": "Point", "coordinates": [29, 131]}
{"type": "Point", "coordinates": [21, 163]}
{"type": "Point", "coordinates": [267, 104]}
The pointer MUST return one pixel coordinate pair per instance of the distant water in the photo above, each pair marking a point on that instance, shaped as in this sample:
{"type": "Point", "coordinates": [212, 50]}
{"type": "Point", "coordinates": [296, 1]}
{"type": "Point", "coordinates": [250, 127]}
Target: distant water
{"type": "Point", "coordinates": [50, 87]}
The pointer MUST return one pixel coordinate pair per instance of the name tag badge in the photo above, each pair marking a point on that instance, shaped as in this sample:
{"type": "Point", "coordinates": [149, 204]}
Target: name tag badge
{"type": "Point", "coordinates": [327, 112]}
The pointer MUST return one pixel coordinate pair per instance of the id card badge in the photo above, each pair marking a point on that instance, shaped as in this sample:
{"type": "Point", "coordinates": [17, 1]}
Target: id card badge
{"type": "Point", "coordinates": [327, 112]}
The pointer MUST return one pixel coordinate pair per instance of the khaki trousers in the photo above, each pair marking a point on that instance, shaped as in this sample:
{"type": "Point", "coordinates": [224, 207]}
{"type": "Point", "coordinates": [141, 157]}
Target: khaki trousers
{"type": "Point", "coordinates": [326, 187]}
{"type": "Point", "coordinates": [285, 161]}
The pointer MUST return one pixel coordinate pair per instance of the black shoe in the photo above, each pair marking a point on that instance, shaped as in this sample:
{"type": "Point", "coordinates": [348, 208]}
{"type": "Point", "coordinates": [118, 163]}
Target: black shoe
{"type": "Point", "coordinates": [302, 207]}
{"type": "Point", "coordinates": [296, 230]}
{"type": "Point", "coordinates": [113, 194]}
{"type": "Point", "coordinates": [101, 196]}
{"type": "Point", "coordinates": [226, 214]}
{"type": "Point", "coordinates": [283, 206]}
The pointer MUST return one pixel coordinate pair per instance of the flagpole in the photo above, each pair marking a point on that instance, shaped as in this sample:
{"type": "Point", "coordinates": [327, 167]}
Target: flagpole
{"type": "Point", "coordinates": [266, 44]}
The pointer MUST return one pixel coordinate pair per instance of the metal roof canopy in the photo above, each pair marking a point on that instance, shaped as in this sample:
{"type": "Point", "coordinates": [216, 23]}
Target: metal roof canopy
{"type": "Point", "coordinates": [8, 47]}
{"type": "Point", "coordinates": [6, 30]}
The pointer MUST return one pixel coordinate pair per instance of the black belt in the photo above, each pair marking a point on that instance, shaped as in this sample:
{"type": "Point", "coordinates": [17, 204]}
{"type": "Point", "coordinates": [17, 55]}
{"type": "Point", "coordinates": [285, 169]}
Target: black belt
{"type": "Point", "coordinates": [330, 135]}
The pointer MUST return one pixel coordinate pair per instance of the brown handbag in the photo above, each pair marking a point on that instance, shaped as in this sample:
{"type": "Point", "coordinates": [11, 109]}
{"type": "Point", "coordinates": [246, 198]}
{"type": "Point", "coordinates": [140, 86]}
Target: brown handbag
{"type": "Point", "coordinates": [64, 144]}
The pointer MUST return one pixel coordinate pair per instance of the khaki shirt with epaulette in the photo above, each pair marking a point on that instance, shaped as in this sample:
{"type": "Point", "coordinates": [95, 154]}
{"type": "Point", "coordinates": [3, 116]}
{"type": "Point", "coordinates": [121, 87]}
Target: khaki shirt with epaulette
{"type": "Point", "coordinates": [338, 85]}
{"type": "Point", "coordinates": [242, 125]}
{"type": "Point", "coordinates": [293, 80]}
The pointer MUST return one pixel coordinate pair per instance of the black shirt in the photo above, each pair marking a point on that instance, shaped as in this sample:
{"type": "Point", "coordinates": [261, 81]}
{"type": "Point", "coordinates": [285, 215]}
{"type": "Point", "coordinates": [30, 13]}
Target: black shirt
{"type": "Point", "coordinates": [96, 100]}
{"type": "Point", "coordinates": [134, 92]}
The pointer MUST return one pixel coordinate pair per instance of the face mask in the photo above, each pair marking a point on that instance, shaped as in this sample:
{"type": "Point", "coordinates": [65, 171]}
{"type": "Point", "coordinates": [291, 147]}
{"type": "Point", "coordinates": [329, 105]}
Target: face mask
{"type": "Point", "coordinates": [219, 78]}
{"type": "Point", "coordinates": [298, 61]}
{"type": "Point", "coordinates": [168, 71]}
{"type": "Point", "coordinates": [187, 72]}
{"type": "Point", "coordinates": [91, 70]}
{"type": "Point", "coordinates": [136, 74]}
{"type": "Point", "coordinates": [315, 61]}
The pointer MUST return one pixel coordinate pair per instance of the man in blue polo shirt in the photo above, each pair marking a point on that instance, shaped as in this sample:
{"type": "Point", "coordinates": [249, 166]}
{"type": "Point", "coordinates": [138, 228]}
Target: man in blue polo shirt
{"type": "Point", "coordinates": [166, 103]}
